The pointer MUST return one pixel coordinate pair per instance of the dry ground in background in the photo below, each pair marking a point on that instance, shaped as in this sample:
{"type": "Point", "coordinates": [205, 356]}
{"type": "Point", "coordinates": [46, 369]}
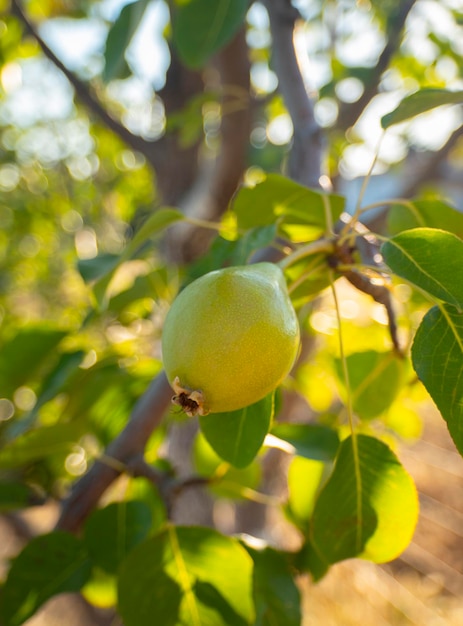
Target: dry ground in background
{"type": "Point", "coordinates": [424, 587]}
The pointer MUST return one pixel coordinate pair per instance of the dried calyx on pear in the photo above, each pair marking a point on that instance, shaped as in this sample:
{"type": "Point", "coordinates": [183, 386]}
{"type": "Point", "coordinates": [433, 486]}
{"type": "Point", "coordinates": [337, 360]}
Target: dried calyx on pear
{"type": "Point", "coordinates": [192, 402]}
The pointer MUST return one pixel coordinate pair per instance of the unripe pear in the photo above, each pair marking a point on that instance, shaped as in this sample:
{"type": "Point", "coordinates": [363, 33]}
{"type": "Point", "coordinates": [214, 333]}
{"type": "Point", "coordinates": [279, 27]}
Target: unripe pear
{"type": "Point", "coordinates": [230, 338]}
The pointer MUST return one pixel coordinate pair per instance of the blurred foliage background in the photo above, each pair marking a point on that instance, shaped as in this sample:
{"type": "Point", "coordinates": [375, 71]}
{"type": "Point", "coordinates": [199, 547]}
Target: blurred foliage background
{"type": "Point", "coordinates": [83, 166]}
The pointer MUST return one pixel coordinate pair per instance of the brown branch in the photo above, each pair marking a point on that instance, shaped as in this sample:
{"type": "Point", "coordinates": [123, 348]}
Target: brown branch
{"type": "Point", "coordinates": [210, 196]}
{"type": "Point", "coordinates": [305, 158]}
{"type": "Point", "coordinates": [350, 112]}
{"type": "Point", "coordinates": [149, 149]}
{"type": "Point", "coordinates": [234, 67]}
{"type": "Point", "coordinates": [146, 417]}
{"type": "Point", "coordinates": [178, 168]}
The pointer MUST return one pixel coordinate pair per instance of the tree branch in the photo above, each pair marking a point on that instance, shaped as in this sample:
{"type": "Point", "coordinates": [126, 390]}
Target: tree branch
{"type": "Point", "coordinates": [214, 187]}
{"type": "Point", "coordinates": [146, 417]}
{"type": "Point", "coordinates": [150, 149]}
{"type": "Point", "coordinates": [305, 158]}
{"type": "Point", "coordinates": [429, 171]}
{"type": "Point", "coordinates": [350, 112]}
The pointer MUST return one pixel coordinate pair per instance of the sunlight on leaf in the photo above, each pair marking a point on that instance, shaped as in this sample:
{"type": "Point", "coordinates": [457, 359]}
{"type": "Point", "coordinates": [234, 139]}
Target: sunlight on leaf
{"type": "Point", "coordinates": [187, 575]}
{"type": "Point", "coordinates": [374, 378]}
{"type": "Point", "coordinates": [430, 259]}
{"type": "Point", "coordinates": [437, 356]}
{"type": "Point", "coordinates": [425, 213]}
{"type": "Point", "coordinates": [277, 199]}
{"type": "Point", "coordinates": [420, 102]}
{"type": "Point", "coordinates": [369, 506]}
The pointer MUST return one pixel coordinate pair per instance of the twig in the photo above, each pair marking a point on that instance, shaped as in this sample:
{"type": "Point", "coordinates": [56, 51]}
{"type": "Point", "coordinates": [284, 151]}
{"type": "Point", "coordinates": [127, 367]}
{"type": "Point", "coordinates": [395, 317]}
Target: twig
{"type": "Point", "coordinates": [146, 417]}
{"type": "Point", "coordinates": [149, 149]}
{"type": "Point", "coordinates": [305, 158]}
{"type": "Point", "coordinates": [350, 112]}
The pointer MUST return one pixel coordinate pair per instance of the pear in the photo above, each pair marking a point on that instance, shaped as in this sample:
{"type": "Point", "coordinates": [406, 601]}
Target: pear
{"type": "Point", "coordinates": [230, 338]}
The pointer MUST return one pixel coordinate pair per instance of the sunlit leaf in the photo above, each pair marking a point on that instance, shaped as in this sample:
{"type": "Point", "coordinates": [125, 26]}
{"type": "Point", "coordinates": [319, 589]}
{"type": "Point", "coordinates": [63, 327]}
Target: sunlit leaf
{"type": "Point", "coordinates": [420, 102]}
{"type": "Point", "coordinates": [304, 479]}
{"type": "Point", "coordinates": [429, 258]}
{"type": "Point", "coordinates": [374, 381]}
{"type": "Point", "coordinates": [279, 199]}
{"type": "Point", "coordinates": [437, 356]}
{"type": "Point", "coordinates": [237, 436]}
{"type": "Point", "coordinates": [425, 213]}
{"type": "Point", "coordinates": [369, 506]}
{"type": "Point", "coordinates": [202, 27]}
{"type": "Point", "coordinates": [186, 575]}
{"type": "Point", "coordinates": [48, 565]}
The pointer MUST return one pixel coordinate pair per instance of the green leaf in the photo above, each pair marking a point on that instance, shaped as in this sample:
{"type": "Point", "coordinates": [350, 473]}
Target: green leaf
{"type": "Point", "coordinates": [153, 285]}
{"type": "Point", "coordinates": [234, 483]}
{"type": "Point", "coordinates": [160, 220]}
{"type": "Point", "coordinates": [40, 443]}
{"type": "Point", "coordinates": [374, 380]}
{"type": "Point", "coordinates": [119, 37]}
{"type": "Point", "coordinates": [430, 259]}
{"type": "Point", "coordinates": [15, 495]}
{"type": "Point", "coordinates": [167, 569]}
{"type": "Point", "coordinates": [50, 564]}
{"type": "Point", "coordinates": [225, 252]}
{"type": "Point", "coordinates": [202, 27]}
{"type": "Point", "coordinates": [210, 597]}
{"type": "Point", "coordinates": [93, 269]}
{"type": "Point", "coordinates": [25, 353]}
{"type": "Point", "coordinates": [420, 102]}
{"type": "Point", "coordinates": [311, 561]}
{"type": "Point", "coordinates": [369, 506]}
{"type": "Point", "coordinates": [111, 532]}
{"type": "Point", "coordinates": [280, 200]}
{"type": "Point", "coordinates": [67, 365]}
{"type": "Point", "coordinates": [237, 436]}
{"type": "Point", "coordinates": [276, 595]}
{"type": "Point", "coordinates": [437, 356]}
{"type": "Point", "coordinates": [312, 441]}
{"type": "Point", "coordinates": [427, 213]}
{"type": "Point", "coordinates": [304, 479]}
{"type": "Point", "coordinates": [252, 240]}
